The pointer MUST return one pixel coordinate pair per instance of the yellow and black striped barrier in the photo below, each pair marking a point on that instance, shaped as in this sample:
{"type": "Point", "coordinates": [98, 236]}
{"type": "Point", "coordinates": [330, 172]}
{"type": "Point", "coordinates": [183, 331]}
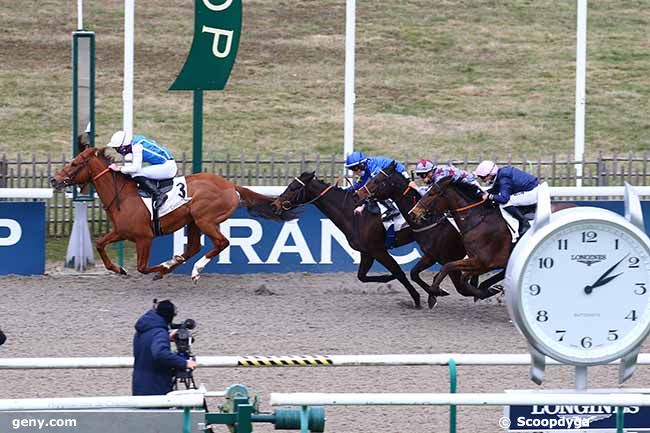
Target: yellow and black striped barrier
{"type": "Point", "coordinates": [283, 361]}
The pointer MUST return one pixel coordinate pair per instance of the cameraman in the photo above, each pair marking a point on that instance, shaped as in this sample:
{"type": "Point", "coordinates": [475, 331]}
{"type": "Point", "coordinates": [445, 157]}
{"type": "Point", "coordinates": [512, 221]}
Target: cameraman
{"type": "Point", "coordinates": [154, 363]}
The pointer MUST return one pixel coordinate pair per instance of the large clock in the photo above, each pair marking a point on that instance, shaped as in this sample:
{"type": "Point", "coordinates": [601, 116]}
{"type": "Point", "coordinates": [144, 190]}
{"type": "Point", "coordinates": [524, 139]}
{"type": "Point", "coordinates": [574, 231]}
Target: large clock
{"type": "Point", "coordinates": [578, 285]}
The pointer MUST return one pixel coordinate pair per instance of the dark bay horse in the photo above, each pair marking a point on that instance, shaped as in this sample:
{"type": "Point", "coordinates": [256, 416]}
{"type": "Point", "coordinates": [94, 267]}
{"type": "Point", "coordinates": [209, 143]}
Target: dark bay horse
{"type": "Point", "coordinates": [365, 233]}
{"type": "Point", "coordinates": [485, 233]}
{"type": "Point", "coordinates": [437, 237]}
{"type": "Point", "coordinates": [213, 200]}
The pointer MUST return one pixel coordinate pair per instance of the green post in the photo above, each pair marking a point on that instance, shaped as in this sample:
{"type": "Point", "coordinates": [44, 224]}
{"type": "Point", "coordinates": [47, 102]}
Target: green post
{"type": "Point", "coordinates": [452, 389]}
{"type": "Point", "coordinates": [620, 422]}
{"type": "Point", "coordinates": [304, 419]}
{"type": "Point", "coordinates": [217, 30]}
{"type": "Point", "coordinates": [187, 426]}
{"type": "Point", "coordinates": [197, 148]}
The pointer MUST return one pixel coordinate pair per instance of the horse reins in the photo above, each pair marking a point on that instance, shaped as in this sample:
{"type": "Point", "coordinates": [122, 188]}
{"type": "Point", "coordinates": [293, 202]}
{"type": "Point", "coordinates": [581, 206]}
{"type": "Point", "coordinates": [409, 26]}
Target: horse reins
{"type": "Point", "coordinates": [473, 205]}
{"type": "Point", "coordinates": [323, 192]}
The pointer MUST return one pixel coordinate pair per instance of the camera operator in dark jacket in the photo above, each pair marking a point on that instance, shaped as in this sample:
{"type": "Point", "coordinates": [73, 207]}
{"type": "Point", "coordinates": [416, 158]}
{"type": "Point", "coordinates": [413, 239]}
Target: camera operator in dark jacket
{"type": "Point", "coordinates": [154, 364]}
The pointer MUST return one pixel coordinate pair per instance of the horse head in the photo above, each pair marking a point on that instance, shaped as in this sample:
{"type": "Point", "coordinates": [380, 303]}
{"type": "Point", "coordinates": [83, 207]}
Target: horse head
{"type": "Point", "coordinates": [382, 185]}
{"type": "Point", "coordinates": [80, 170]}
{"type": "Point", "coordinates": [295, 194]}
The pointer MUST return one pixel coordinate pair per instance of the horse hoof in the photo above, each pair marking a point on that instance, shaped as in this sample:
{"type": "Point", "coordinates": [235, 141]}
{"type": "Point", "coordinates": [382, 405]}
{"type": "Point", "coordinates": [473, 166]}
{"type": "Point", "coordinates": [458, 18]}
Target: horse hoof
{"type": "Point", "coordinates": [432, 302]}
{"type": "Point", "coordinates": [442, 292]}
{"type": "Point", "coordinates": [195, 278]}
{"type": "Point", "coordinates": [122, 271]}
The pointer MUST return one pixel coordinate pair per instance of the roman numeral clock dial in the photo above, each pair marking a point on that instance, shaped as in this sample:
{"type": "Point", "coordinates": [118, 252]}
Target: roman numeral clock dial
{"type": "Point", "coordinates": [578, 288]}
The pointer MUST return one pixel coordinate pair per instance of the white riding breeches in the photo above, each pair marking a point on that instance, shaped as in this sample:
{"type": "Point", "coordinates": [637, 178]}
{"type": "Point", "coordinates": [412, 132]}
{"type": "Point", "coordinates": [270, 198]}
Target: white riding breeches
{"type": "Point", "coordinates": [165, 170]}
{"type": "Point", "coordinates": [525, 198]}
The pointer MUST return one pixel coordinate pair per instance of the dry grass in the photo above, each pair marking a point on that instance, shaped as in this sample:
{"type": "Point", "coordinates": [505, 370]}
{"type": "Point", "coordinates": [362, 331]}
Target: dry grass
{"type": "Point", "coordinates": [447, 78]}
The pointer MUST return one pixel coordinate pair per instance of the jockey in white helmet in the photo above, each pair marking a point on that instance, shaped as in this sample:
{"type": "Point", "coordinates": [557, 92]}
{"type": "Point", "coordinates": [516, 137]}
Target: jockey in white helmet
{"type": "Point", "coordinates": [510, 187]}
{"type": "Point", "coordinates": [142, 149]}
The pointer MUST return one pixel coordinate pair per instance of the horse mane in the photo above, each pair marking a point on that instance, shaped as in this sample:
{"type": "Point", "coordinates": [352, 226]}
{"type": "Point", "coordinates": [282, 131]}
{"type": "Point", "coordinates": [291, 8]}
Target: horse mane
{"type": "Point", "coordinates": [101, 154]}
{"type": "Point", "coordinates": [468, 190]}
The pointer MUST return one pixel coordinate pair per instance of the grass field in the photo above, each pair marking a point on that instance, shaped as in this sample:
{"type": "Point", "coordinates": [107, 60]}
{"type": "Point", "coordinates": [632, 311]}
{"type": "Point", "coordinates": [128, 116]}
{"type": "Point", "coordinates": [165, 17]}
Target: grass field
{"type": "Point", "coordinates": [444, 78]}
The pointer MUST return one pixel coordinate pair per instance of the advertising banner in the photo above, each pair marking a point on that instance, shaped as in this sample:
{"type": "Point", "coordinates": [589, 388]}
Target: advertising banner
{"type": "Point", "coordinates": [22, 238]}
{"type": "Point", "coordinates": [310, 244]}
{"type": "Point", "coordinates": [583, 418]}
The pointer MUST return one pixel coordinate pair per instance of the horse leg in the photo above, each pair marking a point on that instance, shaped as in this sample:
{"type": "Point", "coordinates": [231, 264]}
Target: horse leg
{"type": "Point", "coordinates": [389, 263]}
{"type": "Point", "coordinates": [424, 263]}
{"type": "Point", "coordinates": [219, 241]}
{"type": "Point", "coordinates": [100, 245]}
{"type": "Point", "coordinates": [193, 247]}
{"type": "Point", "coordinates": [470, 265]}
{"type": "Point", "coordinates": [459, 284]}
{"type": "Point", "coordinates": [143, 248]}
{"type": "Point", "coordinates": [364, 266]}
{"type": "Point", "coordinates": [486, 286]}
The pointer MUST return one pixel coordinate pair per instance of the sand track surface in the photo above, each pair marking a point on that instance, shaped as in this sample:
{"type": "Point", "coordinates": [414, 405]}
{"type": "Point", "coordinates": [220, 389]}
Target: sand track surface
{"type": "Point", "coordinates": [72, 315]}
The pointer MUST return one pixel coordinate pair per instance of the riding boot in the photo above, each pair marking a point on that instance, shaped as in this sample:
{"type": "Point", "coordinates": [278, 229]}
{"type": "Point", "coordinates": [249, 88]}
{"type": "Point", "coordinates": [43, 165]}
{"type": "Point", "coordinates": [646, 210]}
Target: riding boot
{"type": "Point", "coordinates": [149, 186]}
{"type": "Point", "coordinates": [524, 225]}
{"type": "Point", "coordinates": [391, 210]}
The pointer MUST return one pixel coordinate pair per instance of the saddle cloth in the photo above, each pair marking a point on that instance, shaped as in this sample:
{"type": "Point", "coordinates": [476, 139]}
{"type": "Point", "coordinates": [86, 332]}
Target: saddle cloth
{"type": "Point", "coordinates": [398, 222]}
{"type": "Point", "coordinates": [176, 197]}
{"type": "Point", "coordinates": [513, 223]}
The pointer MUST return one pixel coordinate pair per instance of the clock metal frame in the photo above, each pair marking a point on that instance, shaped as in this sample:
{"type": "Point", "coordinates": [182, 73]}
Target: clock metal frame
{"type": "Point", "coordinates": [545, 225]}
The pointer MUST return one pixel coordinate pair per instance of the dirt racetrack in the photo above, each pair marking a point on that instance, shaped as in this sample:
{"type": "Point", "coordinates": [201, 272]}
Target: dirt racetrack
{"type": "Point", "coordinates": [63, 314]}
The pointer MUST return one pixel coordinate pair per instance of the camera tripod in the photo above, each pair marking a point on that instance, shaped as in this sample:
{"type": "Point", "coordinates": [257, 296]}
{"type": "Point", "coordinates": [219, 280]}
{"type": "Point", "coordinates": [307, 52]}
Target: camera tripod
{"type": "Point", "coordinates": [185, 377]}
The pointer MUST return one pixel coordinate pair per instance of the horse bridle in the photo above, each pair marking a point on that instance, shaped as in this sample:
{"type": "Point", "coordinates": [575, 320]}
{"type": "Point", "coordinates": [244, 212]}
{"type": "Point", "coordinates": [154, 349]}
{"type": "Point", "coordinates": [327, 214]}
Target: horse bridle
{"type": "Point", "coordinates": [287, 205]}
{"type": "Point", "coordinates": [370, 193]}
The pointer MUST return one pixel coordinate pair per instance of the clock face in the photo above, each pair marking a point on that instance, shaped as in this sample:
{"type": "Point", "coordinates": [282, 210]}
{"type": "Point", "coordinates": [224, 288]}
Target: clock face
{"type": "Point", "coordinates": [585, 292]}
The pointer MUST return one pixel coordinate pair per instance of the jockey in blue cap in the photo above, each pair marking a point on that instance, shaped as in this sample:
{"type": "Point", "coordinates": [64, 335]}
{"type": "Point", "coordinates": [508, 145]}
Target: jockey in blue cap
{"type": "Point", "coordinates": [510, 187]}
{"type": "Point", "coordinates": [142, 149]}
{"type": "Point", "coordinates": [365, 168]}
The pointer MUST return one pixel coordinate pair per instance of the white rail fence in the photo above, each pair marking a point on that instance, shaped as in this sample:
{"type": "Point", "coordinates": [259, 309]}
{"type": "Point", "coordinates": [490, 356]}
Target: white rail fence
{"type": "Point", "coordinates": [441, 359]}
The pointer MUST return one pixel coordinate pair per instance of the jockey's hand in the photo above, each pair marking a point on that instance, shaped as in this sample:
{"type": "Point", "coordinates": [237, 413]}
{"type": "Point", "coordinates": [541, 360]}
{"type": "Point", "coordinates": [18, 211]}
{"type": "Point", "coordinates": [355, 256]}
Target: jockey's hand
{"type": "Point", "coordinates": [114, 167]}
{"type": "Point", "coordinates": [359, 209]}
{"type": "Point", "coordinates": [486, 196]}
{"type": "Point", "coordinates": [413, 185]}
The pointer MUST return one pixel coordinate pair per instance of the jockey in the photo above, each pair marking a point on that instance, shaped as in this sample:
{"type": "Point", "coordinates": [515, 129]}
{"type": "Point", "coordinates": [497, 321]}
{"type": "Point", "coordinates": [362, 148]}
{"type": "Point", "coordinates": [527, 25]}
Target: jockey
{"type": "Point", "coordinates": [511, 188]}
{"type": "Point", "coordinates": [430, 174]}
{"type": "Point", "coordinates": [365, 168]}
{"type": "Point", "coordinates": [161, 163]}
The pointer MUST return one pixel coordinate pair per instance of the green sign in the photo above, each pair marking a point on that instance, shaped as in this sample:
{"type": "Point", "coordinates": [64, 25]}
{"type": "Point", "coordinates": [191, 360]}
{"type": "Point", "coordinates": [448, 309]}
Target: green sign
{"type": "Point", "coordinates": [217, 28]}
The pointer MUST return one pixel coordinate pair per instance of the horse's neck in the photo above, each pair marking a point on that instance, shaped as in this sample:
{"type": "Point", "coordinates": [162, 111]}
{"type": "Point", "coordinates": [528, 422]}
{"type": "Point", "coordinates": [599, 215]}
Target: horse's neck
{"type": "Point", "coordinates": [469, 218]}
{"type": "Point", "coordinates": [108, 184]}
{"type": "Point", "coordinates": [405, 203]}
{"type": "Point", "coordinates": [337, 207]}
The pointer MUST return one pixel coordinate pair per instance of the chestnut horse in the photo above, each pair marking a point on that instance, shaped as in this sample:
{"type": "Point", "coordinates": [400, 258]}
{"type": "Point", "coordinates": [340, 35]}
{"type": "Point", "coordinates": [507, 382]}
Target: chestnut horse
{"type": "Point", "coordinates": [365, 232]}
{"type": "Point", "coordinates": [213, 200]}
{"type": "Point", "coordinates": [485, 233]}
{"type": "Point", "coordinates": [437, 237]}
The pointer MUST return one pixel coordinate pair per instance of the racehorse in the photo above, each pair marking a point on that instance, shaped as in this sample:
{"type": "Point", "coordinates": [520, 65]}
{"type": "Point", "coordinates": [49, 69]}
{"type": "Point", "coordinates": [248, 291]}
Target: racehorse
{"type": "Point", "coordinates": [485, 233]}
{"type": "Point", "coordinates": [365, 233]}
{"type": "Point", "coordinates": [213, 200]}
{"type": "Point", "coordinates": [437, 237]}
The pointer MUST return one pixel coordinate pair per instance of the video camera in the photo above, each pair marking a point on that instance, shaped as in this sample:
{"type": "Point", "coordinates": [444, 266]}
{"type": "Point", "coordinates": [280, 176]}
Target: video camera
{"type": "Point", "coordinates": [183, 341]}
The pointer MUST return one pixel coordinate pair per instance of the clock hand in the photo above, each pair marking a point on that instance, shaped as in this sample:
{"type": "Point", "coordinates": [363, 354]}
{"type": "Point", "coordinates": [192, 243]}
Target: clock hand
{"type": "Point", "coordinates": [604, 279]}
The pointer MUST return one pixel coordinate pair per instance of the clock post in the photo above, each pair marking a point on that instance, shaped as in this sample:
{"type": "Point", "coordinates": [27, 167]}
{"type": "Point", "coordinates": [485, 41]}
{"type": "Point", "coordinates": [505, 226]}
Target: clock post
{"type": "Point", "coordinates": [578, 287]}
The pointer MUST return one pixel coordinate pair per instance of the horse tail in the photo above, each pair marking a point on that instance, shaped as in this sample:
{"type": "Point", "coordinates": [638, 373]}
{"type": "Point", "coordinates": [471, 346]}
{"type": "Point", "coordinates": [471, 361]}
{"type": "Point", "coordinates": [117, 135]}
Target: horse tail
{"type": "Point", "coordinates": [260, 205]}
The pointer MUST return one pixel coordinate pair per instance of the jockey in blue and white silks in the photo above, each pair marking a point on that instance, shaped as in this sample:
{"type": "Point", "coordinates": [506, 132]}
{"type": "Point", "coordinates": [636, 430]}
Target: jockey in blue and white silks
{"type": "Point", "coordinates": [143, 149]}
{"type": "Point", "coordinates": [366, 168]}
